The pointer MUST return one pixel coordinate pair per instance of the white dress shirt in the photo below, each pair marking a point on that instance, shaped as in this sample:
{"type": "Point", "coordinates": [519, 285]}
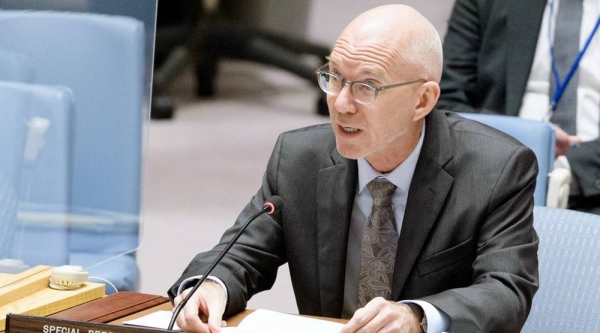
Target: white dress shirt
{"type": "Point", "coordinates": [437, 321]}
{"type": "Point", "coordinates": [536, 99]}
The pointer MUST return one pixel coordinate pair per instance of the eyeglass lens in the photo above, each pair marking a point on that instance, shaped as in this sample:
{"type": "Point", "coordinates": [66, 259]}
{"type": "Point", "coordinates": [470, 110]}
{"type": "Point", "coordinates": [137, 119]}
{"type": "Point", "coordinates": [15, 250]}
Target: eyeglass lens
{"type": "Point", "coordinates": [332, 84]}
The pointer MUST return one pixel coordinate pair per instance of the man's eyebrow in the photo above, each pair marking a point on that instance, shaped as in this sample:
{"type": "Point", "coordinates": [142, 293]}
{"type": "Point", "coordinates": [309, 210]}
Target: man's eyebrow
{"type": "Point", "coordinates": [367, 70]}
{"type": "Point", "coordinates": [375, 71]}
{"type": "Point", "coordinates": [331, 58]}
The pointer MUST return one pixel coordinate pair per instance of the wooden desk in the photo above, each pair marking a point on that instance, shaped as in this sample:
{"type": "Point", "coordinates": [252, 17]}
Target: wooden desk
{"type": "Point", "coordinates": [231, 321]}
{"type": "Point", "coordinates": [114, 310]}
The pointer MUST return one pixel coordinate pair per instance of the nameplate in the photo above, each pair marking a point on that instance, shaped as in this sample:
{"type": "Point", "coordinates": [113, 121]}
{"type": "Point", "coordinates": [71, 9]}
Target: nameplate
{"type": "Point", "coordinates": [16, 323]}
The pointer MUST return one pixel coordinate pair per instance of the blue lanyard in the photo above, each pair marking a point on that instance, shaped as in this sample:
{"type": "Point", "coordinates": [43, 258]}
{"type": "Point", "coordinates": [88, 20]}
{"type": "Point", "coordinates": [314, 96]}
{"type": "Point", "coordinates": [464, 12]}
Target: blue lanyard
{"type": "Point", "coordinates": [560, 86]}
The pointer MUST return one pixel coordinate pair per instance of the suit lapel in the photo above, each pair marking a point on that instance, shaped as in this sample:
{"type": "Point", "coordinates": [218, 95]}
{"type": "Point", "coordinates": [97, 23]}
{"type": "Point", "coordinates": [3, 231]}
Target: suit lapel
{"type": "Point", "coordinates": [335, 198]}
{"type": "Point", "coordinates": [523, 25]}
{"type": "Point", "coordinates": [428, 191]}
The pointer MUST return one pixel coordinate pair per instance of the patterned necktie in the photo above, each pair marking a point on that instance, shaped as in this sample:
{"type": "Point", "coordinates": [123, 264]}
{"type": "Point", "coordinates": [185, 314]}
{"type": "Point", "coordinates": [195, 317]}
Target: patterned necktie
{"type": "Point", "coordinates": [566, 48]}
{"type": "Point", "coordinates": [379, 243]}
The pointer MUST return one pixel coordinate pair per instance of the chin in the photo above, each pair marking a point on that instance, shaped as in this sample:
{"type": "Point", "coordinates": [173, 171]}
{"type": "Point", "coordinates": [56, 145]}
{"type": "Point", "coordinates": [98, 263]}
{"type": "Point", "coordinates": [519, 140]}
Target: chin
{"type": "Point", "coordinates": [349, 152]}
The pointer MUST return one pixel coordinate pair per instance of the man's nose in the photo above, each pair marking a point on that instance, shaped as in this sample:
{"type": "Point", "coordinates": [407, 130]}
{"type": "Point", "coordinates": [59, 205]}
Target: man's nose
{"type": "Point", "coordinates": [344, 102]}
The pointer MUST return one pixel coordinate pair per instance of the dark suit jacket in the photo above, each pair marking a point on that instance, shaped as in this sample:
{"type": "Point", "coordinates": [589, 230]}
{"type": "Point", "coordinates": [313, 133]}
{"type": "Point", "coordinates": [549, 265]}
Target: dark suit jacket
{"type": "Point", "coordinates": [488, 53]}
{"type": "Point", "coordinates": [467, 244]}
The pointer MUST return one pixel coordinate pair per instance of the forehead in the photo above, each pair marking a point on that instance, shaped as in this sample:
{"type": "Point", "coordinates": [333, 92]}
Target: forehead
{"type": "Point", "coordinates": [365, 54]}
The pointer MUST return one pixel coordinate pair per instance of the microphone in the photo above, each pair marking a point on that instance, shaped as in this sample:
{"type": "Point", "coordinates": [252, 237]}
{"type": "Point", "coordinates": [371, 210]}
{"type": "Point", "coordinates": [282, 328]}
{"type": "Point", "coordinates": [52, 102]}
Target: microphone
{"type": "Point", "coordinates": [271, 206]}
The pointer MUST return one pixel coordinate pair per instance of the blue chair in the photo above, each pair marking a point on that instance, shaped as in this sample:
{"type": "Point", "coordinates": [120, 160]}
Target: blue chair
{"type": "Point", "coordinates": [46, 165]}
{"type": "Point", "coordinates": [569, 268]}
{"type": "Point", "coordinates": [43, 168]}
{"type": "Point", "coordinates": [539, 136]}
{"type": "Point", "coordinates": [101, 58]}
{"type": "Point", "coordinates": [12, 141]}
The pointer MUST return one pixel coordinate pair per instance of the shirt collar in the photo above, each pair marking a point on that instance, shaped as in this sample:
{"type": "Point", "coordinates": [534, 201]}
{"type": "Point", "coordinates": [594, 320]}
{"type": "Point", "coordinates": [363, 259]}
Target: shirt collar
{"type": "Point", "coordinates": [401, 176]}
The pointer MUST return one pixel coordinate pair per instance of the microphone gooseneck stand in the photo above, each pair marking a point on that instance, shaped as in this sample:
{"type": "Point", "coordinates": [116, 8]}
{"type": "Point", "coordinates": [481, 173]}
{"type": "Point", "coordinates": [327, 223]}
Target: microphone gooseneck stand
{"type": "Point", "coordinates": [270, 206]}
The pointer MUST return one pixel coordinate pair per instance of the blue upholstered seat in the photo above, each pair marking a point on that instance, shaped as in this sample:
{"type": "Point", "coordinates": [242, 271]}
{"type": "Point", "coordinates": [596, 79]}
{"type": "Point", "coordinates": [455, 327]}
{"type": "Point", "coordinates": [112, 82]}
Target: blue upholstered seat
{"type": "Point", "coordinates": [569, 261]}
{"type": "Point", "coordinates": [41, 163]}
{"type": "Point", "coordinates": [12, 142]}
{"type": "Point", "coordinates": [539, 136]}
{"type": "Point", "coordinates": [101, 59]}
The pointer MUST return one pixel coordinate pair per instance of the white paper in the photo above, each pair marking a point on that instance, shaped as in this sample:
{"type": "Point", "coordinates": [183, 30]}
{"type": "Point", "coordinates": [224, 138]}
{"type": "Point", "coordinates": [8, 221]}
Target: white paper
{"type": "Point", "coordinates": [266, 321]}
{"type": "Point", "coordinates": [259, 321]}
{"type": "Point", "coordinates": [158, 319]}
{"type": "Point", "coordinates": [162, 318]}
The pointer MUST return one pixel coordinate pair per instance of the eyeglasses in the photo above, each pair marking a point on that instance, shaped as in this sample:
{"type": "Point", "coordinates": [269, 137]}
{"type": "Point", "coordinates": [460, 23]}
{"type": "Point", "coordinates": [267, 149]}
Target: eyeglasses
{"type": "Point", "coordinates": [363, 92]}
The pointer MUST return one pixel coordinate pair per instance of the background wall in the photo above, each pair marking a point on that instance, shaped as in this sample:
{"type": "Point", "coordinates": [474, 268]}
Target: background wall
{"type": "Point", "coordinates": [327, 19]}
{"type": "Point", "coordinates": [322, 21]}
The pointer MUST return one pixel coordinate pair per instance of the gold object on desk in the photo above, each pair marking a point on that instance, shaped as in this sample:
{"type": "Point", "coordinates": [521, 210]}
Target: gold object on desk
{"type": "Point", "coordinates": [28, 293]}
{"type": "Point", "coordinates": [15, 286]}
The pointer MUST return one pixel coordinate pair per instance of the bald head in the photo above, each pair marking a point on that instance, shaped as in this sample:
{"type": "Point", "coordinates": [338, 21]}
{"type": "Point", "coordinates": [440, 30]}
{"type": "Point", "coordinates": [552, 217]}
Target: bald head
{"type": "Point", "coordinates": [396, 35]}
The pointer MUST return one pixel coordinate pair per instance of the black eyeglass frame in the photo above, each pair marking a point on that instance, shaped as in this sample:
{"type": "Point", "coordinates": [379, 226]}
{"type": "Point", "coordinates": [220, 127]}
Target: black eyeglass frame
{"type": "Point", "coordinates": [321, 70]}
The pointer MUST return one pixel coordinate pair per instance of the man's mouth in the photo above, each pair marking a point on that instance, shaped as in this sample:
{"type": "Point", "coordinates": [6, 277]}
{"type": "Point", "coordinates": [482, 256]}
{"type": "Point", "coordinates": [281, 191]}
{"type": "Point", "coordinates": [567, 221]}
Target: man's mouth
{"type": "Point", "coordinates": [350, 129]}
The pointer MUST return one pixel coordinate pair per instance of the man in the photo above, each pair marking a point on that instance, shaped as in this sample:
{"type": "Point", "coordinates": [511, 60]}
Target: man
{"type": "Point", "coordinates": [397, 216]}
{"type": "Point", "coordinates": [498, 59]}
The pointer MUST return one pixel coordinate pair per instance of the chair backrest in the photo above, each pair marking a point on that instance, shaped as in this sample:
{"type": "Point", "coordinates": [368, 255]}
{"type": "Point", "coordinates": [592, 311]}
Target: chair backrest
{"type": "Point", "coordinates": [100, 57]}
{"type": "Point", "coordinates": [537, 135]}
{"type": "Point", "coordinates": [46, 168]}
{"type": "Point", "coordinates": [569, 266]}
{"type": "Point", "coordinates": [13, 115]}
{"type": "Point", "coordinates": [40, 160]}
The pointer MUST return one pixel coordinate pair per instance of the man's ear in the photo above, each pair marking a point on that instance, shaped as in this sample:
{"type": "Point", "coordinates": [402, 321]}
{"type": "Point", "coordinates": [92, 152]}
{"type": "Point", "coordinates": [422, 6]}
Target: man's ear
{"type": "Point", "coordinates": [429, 94]}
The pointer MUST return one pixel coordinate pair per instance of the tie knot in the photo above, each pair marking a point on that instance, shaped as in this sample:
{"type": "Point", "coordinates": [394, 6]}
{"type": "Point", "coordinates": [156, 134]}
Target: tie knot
{"type": "Point", "coordinates": [381, 191]}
